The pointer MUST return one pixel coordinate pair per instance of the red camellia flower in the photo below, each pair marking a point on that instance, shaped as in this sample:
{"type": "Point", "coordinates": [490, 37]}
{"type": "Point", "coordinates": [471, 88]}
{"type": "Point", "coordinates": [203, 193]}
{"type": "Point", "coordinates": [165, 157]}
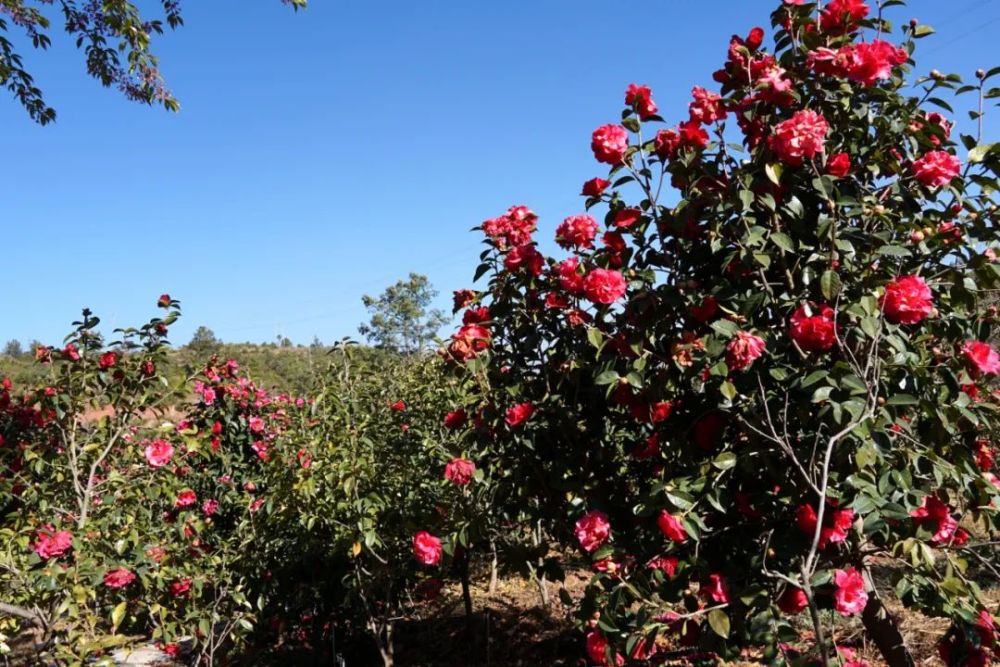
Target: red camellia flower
{"type": "Point", "coordinates": [707, 107]}
{"type": "Point", "coordinates": [870, 62]}
{"type": "Point", "coordinates": [671, 527]}
{"type": "Point", "coordinates": [907, 300]}
{"type": "Point", "coordinates": [597, 647]}
{"type": "Point", "coordinates": [569, 276]}
{"type": "Point", "coordinates": [107, 360]}
{"type": "Point", "coordinates": [742, 350]}
{"type": "Point", "coordinates": [982, 356]}
{"type": "Point", "coordinates": [936, 516]}
{"type": "Point", "coordinates": [519, 414]}
{"type": "Point", "coordinates": [211, 506]}
{"type": "Point", "coordinates": [158, 453]}
{"type": "Point", "coordinates": [609, 144]}
{"type": "Point", "coordinates": [186, 498]}
{"type": "Point", "coordinates": [793, 600]}
{"type": "Point", "coordinates": [667, 564]}
{"type": "Point", "coordinates": [850, 596]}
{"type": "Point", "coordinates": [459, 471]}
{"type": "Point", "coordinates": [627, 217]}
{"type": "Point", "coordinates": [604, 286]}
{"type": "Point", "coordinates": [838, 165]}
{"type": "Point", "coordinates": [666, 143]}
{"type": "Point", "coordinates": [800, 137]}
{"type": "Point", "coordinates": [813, 333]}
{"type": "Point", "coordinates": [71, 353]}
{"type": "Point", "coordinates": [456, 419]}
{"type": "Point", "coordinates": [692, 135]}
{"type": "Point", "coordinates": [577, 232]}
{"type": "Point", "coordinates": [398, 406]}
{"type": "Point", "coordinates": [838, 524]}
{"type": "Point", "coordinates": [641, 99]}
{"type": "Point", "coordinates": [841, 15]}
{"type": "Point", "coordinates": [715, 589]}
{"type": "Point", "coordinates": [181, 587]}
{"type": "Point", "coordinates": [469, 341]}
{"type": "Point", "coordinates": [462, 298]}
{"type": "Point", "coordinates": [595, 187]}
{"type": "Point", "coordinates": [936, 168]}
{"type": "Point", "coordinates": [524, 257]}
{"type": "Point", "coordinates": [118, 578]}
{"type": "Point", "coordinates": [426, 548]}
{"type": "Point", "coordinates": [163, 301]}
{"type": "Point", "coordinates": [52, 543]}
{"type": "Point", "coordinates": [660, 412]}
{"type": "Point", "coordinates": [592, 530]}
{"type": "Point", "coordinates": [706, 311]}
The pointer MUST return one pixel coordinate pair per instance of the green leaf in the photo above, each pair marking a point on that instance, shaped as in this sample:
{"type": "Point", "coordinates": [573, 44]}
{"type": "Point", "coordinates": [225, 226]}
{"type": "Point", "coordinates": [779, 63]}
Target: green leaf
{"type": "Point", "coordinates": [902, 399]}
{"type": "Point", "coordinates": [728, 389]}
{"type": "Point", "coordinates": [726, 328]}
{"type": "Point", "coordinates": [595, 337]}
{"type": "Point", "coordinates": [747, 197]}
{"type": "Point", "coordinates": [607, 377]}
{"type": "Point", "coordinates": [978, 154]}
{"type": "Point", "coordinates": [719, 622]}
{"type": "Point", "coordinates": [814, 377]}
{"type": "Point", "coordinates": [821, 394]}
{"type": "Point", "coordinates": [783, 241]}
{"type": "Point", "coordinates": [725, 461]}
{"type": "Point", "coordinates": [117, 614]}
{"type": "Point", "coordinates": [829, 285]}
{"type": "Point", "coordinates": [773, 172]}
{"type": "Point", "coordinates": [922, 31]}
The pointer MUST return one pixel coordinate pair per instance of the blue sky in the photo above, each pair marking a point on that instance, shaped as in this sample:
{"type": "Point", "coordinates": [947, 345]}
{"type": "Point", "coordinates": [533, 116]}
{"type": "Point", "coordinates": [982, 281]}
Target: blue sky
{"type": "Point", "coordinates": [322, 155]}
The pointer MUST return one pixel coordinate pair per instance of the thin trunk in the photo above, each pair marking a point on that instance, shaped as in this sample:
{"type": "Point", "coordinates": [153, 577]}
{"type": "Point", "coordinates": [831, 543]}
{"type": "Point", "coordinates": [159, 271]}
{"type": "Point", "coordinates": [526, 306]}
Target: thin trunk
{"type": "Point", "coordinates": [493, 569]}
{"type": "Point", "coordinates": [882, 628]}
{"type": "Point", "coordinates": [466, 590]}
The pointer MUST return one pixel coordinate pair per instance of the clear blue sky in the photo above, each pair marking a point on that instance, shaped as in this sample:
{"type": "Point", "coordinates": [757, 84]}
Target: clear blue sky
{"type": "Point", "coordinates": [322, 155]}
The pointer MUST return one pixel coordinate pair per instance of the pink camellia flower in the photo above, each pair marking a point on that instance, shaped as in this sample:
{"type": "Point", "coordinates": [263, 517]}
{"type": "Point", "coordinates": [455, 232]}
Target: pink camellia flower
{"type": "Point", "coordinates": [841, 15]}
{"type": "Point", "coordinates": [707, 107]}
{"type": "Point", "coordinates": [426, 548]}
{"type": "Point", "coordinates": [181, 587]}
{"type": "Point", "coordinates": [210, 507]}
{"type": "Point", "coordinates": [186, 498]}
{"type": "Point", "coordinates": [597, 647]}
{"type": "Point", "coordinates": [518, 414]}
{"type": "Point", "coordinates": [595, 187]}
{"type": "Point", "coordinates": [524, 257]}
{"type": "Point", "coordinates": [456, 419]}
{"type": "Point", "coordinates": [71, 353]}
{"type": "Point", "coordinates": [982, 356]}
{"type": "Point", "coordinates": [577, 232]}
{"type": "Point", "coordinates": [839, 523]}
{"type": "Point", "coordinates": [838, 165]}
{"type": "Point", "coordinates": [671, 527]}
{"type": "Point", "coordinates": [715, 589]}
{"type": "Point", "coordinates": [52, 543]}
{"type": "Point", "coordinates": [907, 300]}
{"type": "Point", "coordinates": [256, 424]}
{"type": "Point", "coordinates": [627, 217]}
{"type": "Point", "coordinates": [813, 333]}
{"type": "Point", "coordinates": [118, 578]}
{"type": "Point", "coordinates": [742, 350]}
{"type": "Point", "coordinates": [800, 137]}
{"type": "Point", "coordinates": [850, 597]}
{"type": "Point", "coordinates": [793, 600]}
{"type": "Point", "coordinates": [158, 453]}
{"type": "Point", "coordinates": [936, 168]}
{"type": "Point", "coordinates": [469, 341]}
{"type": "Point", "coordinates": [604, 286]}
{"type": "Point", "coordinates": [641, 99]}
{"type": "Point", "coordinates": [459, 471]}
{"type": "Point", "coordinates": [609, 144]}
{"type": "Point", "coordinates": [870, 62]}
{"type": "Point", "coordinates": [592, 530]}
{"type": "Point", "coordinates": [936, 516]}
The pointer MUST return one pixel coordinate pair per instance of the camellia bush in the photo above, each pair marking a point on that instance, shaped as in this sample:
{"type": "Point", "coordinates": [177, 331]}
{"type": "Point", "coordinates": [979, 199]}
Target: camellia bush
{"type": "Point", "coordinates": [764, 376]}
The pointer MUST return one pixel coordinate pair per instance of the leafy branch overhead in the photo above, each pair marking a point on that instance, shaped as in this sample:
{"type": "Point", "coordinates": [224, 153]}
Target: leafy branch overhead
{"type": "Point", "coordinates": [116, 39]}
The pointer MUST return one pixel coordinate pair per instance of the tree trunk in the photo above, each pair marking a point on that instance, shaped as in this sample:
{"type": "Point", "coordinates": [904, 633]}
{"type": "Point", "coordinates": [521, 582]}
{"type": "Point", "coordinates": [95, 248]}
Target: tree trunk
{"type": "Point", "coordinates": [466, 591]}
{"type": "Point", "coordinates": [882, 629]}
{"type": "Point", "coordinates": [493, 569]}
